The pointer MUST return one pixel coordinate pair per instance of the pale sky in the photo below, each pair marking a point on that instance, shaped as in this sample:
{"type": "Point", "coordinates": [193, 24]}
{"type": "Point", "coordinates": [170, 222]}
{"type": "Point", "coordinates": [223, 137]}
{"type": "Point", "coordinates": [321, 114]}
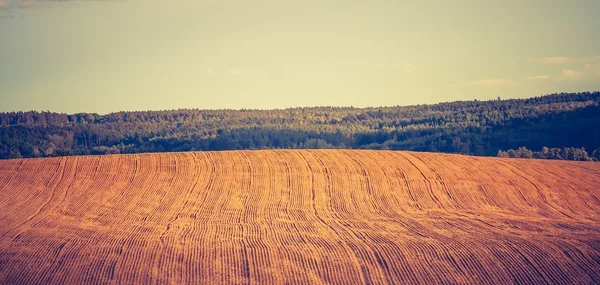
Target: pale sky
{"type": "Point", "coordinates": [106, 56]}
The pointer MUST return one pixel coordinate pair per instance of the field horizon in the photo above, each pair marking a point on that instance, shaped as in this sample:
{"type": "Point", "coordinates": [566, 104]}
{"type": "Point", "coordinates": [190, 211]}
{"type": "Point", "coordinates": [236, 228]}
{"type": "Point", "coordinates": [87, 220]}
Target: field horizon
{"type": "Point", "coordinates": [298, 217]}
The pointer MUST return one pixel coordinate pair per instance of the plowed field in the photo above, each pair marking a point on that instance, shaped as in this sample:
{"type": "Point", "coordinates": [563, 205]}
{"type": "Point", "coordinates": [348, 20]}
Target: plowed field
{"type": "Point", "coordinates": [301, 217]}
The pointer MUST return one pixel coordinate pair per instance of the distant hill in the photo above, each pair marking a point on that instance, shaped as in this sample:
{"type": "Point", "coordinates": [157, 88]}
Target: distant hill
{"type": "Point", "coordinates": [298, 217]}
{"type": "Point", "coordinates": [566, 122]}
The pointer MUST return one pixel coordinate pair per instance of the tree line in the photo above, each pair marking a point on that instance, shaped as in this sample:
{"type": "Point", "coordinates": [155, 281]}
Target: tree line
{"type": "Point", "coordinates": [557, 121]}
{"type": "Point", "coordinates": [565, 153]}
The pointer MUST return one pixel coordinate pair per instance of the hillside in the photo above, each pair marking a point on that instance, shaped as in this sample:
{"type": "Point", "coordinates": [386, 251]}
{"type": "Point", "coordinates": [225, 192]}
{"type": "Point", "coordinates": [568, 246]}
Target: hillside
{"type": "Point", "coordinates": [299, 217]}
{"type": "Point", "coordinates": [566, 121]}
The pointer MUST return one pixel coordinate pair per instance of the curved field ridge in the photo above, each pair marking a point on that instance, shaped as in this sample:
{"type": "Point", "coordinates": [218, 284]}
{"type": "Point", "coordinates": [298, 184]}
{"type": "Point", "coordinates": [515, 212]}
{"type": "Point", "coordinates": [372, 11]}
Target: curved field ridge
{"type": "Point", "coordinates": [303, 217]}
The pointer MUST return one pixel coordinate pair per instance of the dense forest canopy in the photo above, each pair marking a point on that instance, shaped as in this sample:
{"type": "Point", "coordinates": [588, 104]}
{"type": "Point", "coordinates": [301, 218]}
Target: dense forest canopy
{"type": "Point", "coordinates": [565, 121]}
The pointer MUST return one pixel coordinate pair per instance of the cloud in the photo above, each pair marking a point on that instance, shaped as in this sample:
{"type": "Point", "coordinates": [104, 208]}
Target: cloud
{"type": "Point", "coordinates": [538, 77]}
{"type": "Point", "coordinates": [592, 70]}
{"type": "Point", "coordinates": [568, 60]}
{"type": "Point", "coordinates": [570, 74]}
{"type": "Point", "coordinates": [4, 5]}
{"type": "Point", "coordinates": [241, 71]}
{"type": "Point", "coordinates": [553, 60]}
{"type": "Point", "coordinates": [588, 68]}
{"type": "Point", "coordinates": [592, 66]}
{"type": "Point", "coordinates": [211, 71]}
{"type": "Point", "coordinates": [488, 83]}
{"type": "Point", "coordinates": [590, 73]}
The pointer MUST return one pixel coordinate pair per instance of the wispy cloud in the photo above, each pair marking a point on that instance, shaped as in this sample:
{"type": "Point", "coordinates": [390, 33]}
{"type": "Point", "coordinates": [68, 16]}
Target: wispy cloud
{"type": "Point", "coordinates": [568, 60]}
{"type": "Point", "coordinates": [211, 71]}
{"type": "Point", "coordinates": [589, 68]}
{"type": "Point", "coordinates": [4, 5]}
{"type": "Point", "coordinates": [570, 74]}
{"type": "Point", "coordinates": [241, 71]}
{"type": "Point", "coordinates": [592, 70]}
{"type": "Point", "coordinates": [553, 60]}
{"type": "Point", "coordinates": [538, 77]}
{"type": "Point", "coordinates": [489, 83]}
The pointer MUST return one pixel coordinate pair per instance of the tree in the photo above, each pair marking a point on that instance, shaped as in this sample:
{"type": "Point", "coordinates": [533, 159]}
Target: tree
{"type": "Point", "coordinates": [596, 154]}
{"type": "Point", "coordinates": [523, 152]}
{"type": "Point", "coordinates": [317, 144]}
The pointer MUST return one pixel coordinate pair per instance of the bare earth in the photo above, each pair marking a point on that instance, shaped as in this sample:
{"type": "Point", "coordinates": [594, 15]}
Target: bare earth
{"type": "Point", "coordinates": [302, 217]}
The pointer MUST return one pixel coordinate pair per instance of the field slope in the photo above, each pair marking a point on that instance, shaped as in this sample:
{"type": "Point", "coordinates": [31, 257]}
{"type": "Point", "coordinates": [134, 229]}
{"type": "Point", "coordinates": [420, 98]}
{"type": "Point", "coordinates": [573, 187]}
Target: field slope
{"type": "Point", "coordinates": [303, 217]}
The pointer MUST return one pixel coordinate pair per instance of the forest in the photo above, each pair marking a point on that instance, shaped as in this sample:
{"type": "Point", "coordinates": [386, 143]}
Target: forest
{"type": "Point", "coordinates": [561, 126]}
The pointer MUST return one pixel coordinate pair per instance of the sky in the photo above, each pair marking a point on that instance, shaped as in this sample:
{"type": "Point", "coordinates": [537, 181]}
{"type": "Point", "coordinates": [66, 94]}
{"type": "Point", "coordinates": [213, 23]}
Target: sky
{"type": "Point", "coordinates": [107, 56]}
